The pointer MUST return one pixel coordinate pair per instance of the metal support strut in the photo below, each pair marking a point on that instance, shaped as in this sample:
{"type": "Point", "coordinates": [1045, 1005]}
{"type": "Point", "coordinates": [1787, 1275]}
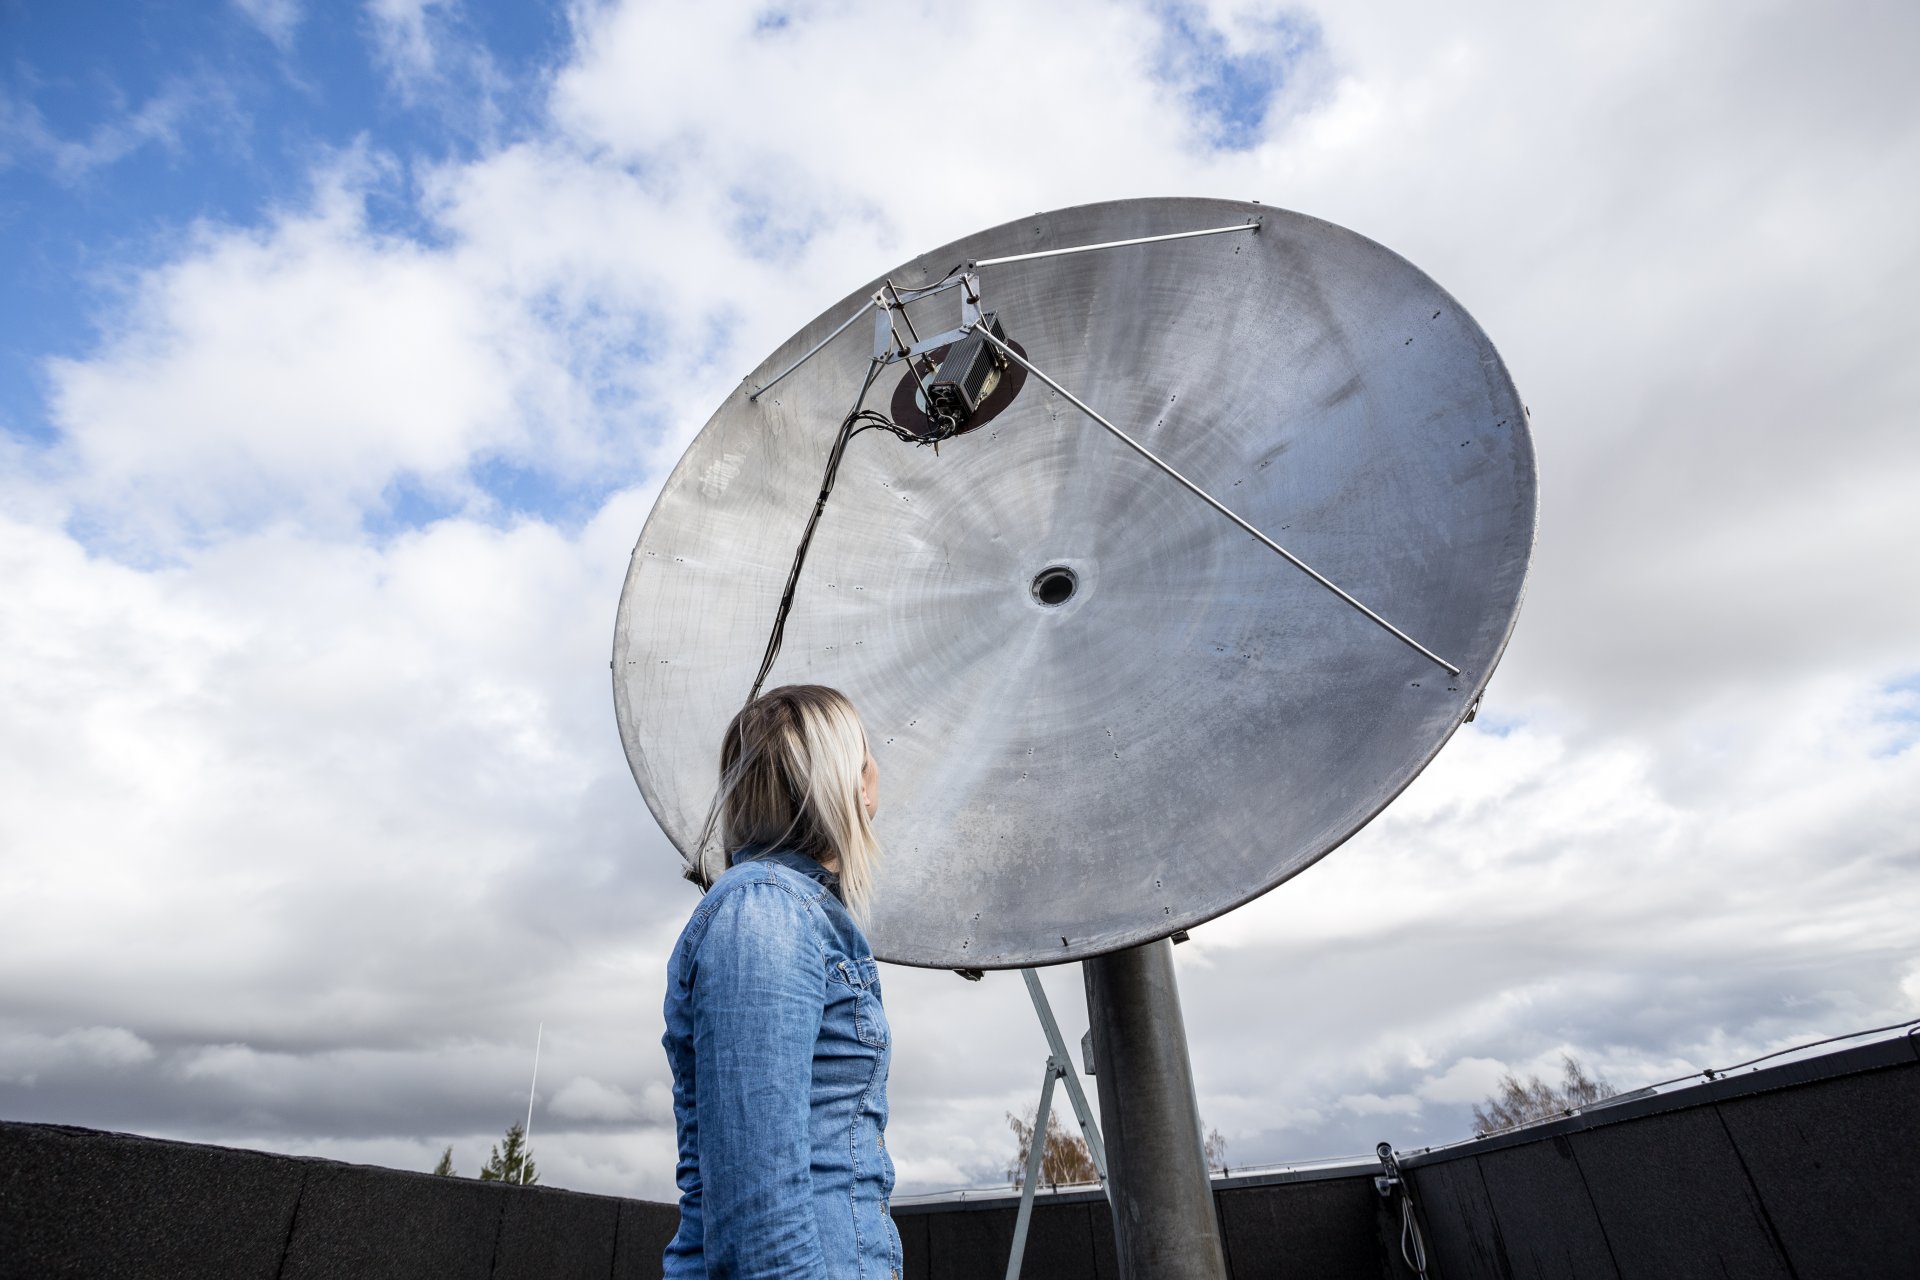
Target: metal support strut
{"type": "Point", "coordinates": [1059, 1067]}
{"type": "Point", "coordinates": [1036, 1153]}
{"type": "Point", "coordinates": [1089, 1127]}
{"type": "Point", "coordinates": [1212, 501]}
{"type": "Point", "coordinates": [900, 297]}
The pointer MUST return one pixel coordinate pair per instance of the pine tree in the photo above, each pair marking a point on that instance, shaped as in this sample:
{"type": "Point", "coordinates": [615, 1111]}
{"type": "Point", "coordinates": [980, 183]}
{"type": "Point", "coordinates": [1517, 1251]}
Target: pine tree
{"type": "Point", "coordinates": [445, 1167]}
{"type": "Point", "coordinates": [514, 1164]}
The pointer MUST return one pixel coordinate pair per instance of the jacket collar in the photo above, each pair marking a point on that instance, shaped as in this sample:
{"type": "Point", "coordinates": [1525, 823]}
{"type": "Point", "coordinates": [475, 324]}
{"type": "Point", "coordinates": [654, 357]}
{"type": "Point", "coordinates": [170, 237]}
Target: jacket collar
{"type": "Point", "coordinates": [793, 861]}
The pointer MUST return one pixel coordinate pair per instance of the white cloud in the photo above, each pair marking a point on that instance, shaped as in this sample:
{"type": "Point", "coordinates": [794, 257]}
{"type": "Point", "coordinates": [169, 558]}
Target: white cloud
{"type": "Point", "coordinates": [276, 19]}
{"type": "Point", "coordinates": [27, 1055]}
{"type": "Point", "coordinates": [404, 40]}
{"type": "Point", "coordinates": [1467, 1080]}
{"type": "Point", "coordinates": [159, 121]}
{"type": "Point", "coordinates": [1372, 1104]}
{"type": "Point", "coordinates": [584, 1098]}
{"type": "Point", "coordinates": [299, 370]}
{"type": "Point", "coordinates": [434, 61]}
{"type": "Point", "coordinates": [1910, 988]}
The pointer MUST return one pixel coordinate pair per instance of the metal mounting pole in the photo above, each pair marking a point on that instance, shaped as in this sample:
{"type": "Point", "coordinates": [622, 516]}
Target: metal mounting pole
{"type": "Point", "coordinates": [1164, 1224]}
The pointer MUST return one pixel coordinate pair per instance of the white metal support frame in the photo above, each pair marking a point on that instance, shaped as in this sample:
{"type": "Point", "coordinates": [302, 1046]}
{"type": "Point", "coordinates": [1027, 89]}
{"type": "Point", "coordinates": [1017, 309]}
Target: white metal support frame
{"type": "Point", "coordinates": [1089, 1127]}
{"type": "Point", "coordinates": [1059, 1067]}
{"type": "Point", "coordinates": [1210, 500]}
{"type": "Point", "coordinates": [889, 347]}
{"type": "Point", "coordinates": [890, 297]}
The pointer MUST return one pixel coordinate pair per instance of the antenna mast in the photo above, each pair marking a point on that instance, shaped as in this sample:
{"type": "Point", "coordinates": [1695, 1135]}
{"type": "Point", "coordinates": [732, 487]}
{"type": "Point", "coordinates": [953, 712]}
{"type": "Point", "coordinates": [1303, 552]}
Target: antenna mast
{"type": "Point", "coordinates": [526, 1134]}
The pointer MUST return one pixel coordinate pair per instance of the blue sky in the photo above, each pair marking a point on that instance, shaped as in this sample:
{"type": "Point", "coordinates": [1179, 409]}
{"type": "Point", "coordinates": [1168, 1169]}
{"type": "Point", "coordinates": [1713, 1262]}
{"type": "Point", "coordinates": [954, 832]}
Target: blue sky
{"type": "Point", "coordinates": [128, 129]}
{"type": "Point", "coordinates": [345, 347]}
{"type": "Point", "coordinates": [127, 124]}
{"type": "Point", "coordinates": [1231, 90]}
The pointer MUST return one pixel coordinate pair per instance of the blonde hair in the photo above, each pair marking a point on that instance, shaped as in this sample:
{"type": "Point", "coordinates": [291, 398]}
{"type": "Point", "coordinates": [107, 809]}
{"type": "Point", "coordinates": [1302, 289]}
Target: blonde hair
{"type": "Point", "coordinates": [790, 771]}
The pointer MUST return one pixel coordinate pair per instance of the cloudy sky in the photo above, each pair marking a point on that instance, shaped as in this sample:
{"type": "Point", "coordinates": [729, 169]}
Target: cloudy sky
{"type": "Point", "coordinates": [344, 347]}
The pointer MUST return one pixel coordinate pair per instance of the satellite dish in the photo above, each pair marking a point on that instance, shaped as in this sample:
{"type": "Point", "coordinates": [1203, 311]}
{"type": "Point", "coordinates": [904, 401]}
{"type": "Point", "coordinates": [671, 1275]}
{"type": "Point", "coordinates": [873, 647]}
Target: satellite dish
{"type": "Point", "coordinates": [1104, 712]}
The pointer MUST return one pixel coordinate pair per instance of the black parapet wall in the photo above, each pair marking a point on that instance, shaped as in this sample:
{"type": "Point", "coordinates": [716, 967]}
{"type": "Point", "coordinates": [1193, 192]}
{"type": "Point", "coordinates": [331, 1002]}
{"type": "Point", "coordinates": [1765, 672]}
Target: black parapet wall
{"type": "Point", "coordinates": [75, 1202]}
{"type": "Point", "coordinates": [1070, 1237]}
{"type": "Point", "coordinates": [1809, 1170]}
{"type": "Point", "coordinates": [1313, 1224]}
{"type": "Point", "coordinates": [81, 1203]}
{"type": "Point", "coordinates": [1806, 1171]}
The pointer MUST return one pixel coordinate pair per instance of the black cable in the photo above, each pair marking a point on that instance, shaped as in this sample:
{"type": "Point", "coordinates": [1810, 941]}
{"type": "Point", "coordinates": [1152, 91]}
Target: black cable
{"type": "Point", "coordinates": [834, 455]}
{"type": "Point", "coordinates": [878, 422]}
{"type": "Point", "coordinates": [867, 420]}
{"type": "Point", "coordinates": [858, 419]}
{"type": "Point", "coordinates": [1413, 1245]}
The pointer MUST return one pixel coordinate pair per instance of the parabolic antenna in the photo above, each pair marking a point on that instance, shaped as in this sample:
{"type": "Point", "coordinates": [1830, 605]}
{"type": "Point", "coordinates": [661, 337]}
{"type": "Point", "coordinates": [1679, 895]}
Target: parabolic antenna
{"type": "Point", "coordinates": [1103, 711]}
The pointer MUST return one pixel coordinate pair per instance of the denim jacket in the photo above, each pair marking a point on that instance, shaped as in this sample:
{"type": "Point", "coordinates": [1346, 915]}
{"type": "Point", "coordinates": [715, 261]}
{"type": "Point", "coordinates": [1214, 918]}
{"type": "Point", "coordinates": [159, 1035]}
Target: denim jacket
{"type": "Point", "coordinates": [779, 1049]}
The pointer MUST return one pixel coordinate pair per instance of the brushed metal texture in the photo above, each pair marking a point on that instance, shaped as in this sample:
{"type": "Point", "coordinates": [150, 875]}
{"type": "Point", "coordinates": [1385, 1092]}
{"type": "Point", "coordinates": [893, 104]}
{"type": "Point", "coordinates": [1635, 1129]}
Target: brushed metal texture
{"type": "Point", "coordinates": [1200, 720]}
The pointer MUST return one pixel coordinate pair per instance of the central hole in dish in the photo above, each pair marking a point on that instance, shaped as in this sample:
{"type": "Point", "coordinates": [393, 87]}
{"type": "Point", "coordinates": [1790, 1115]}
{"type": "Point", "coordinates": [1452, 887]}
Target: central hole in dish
{"type": "Point", "coordinates": [1054, 586]}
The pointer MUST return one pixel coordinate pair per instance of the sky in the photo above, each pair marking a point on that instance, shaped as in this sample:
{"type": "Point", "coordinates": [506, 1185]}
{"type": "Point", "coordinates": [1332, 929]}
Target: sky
{"type": "Point", "coordinates": [344, 348]}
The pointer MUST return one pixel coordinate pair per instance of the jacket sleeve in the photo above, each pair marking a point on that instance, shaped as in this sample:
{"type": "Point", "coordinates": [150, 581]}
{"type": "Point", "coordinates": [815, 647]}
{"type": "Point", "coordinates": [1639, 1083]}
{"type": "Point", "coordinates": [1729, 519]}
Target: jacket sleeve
{"type": "Point", "coordinates": [683, 1257]}
{"type": "Point", "coordinates": [759, 989]}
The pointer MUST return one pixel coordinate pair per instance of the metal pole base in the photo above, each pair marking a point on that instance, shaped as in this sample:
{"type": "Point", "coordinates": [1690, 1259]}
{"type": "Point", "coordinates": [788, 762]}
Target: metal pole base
{"type": "Point", "coordinates": [1163, 1220]}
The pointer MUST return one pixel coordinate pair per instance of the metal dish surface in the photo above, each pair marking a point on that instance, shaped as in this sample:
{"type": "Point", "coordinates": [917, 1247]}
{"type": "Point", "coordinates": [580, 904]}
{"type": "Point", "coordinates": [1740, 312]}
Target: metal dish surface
{"type": "Point", "coordinates": [1198, 720]}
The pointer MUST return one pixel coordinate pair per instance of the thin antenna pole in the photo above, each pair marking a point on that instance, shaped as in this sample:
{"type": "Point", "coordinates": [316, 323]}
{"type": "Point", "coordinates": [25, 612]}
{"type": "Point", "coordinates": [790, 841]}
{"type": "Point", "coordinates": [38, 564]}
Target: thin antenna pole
{"type": "Point", "coordinates": [526, 1134]}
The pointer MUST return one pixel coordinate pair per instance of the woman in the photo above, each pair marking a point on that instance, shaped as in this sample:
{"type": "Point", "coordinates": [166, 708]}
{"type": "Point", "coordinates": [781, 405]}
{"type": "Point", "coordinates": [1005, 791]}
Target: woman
{"type": "Point", "coordinates": [775, 1033]}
